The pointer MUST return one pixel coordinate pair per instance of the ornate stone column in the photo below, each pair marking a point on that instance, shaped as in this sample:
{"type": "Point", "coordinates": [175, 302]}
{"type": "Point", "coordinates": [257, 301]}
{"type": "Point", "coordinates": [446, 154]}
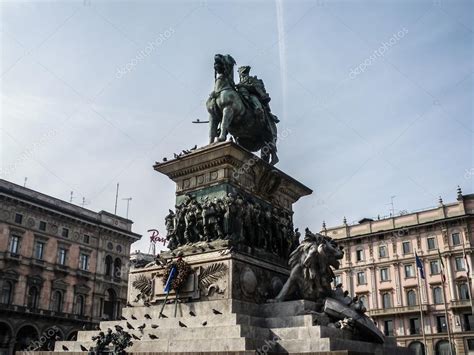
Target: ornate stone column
{"type": "Point", "coordinates": [398, 286]}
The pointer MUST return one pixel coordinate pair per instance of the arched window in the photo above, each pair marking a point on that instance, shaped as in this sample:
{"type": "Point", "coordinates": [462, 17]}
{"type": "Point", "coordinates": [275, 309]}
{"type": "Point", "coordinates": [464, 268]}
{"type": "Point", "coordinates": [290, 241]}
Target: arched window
{"type": "Point", "coordinates": [437, 295]}
{"type": "Point", "coordinates": [411, 298]}
{"type": "Point", "coordinates": [80, 305]}
{"type": "Point", "coordinates": [118, 268]}
{"type": "Point", "coordinates": [418, 346]}
{"type": "Point", "coordinates": [33, 297]}
{"type": "Point", "coordinates": [387, 300]}
{"type": "Point", "coordinates": [110, 304]}
{"type": "Point", "coordinates": [57, 304]}
{"type": "Point", "coordinates": [442, 347]}
{"type": "Point", "coordinates": [7, 291]}
{"type": "Point", "coordinates": [108, 265]}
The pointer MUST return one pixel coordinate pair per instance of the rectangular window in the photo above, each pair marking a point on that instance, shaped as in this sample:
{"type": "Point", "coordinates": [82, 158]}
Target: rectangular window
{"type": "Point", "coordinates": [14, 247]}
{"type": "Point", "coordinates": [441, 326]}
{"type": "Point", "coordinates": [434, 267]}
{"type": "Point", "coordinates": [361, 278]}
{"type": "Point", "coordinates": [65, 233]}
{"type": "Point", "coordinates": [42, 226]}
{"type": "Point", "coordinates": [384, 274]}
{"type": "Point", "coordinates": [463, 290]}
{"type": "Point", "coordinates": [431, 243]}
{"type": "Point", "coordinates": [62, 252]}
{"type": "Point", "coordinates": [39, 250]}
{"type": "Point", "coordinates": [406, 246]}
{"type": "Point", "coordinates": [460, 264]}
{"type": "Point", "coordinates": [456, 238]}
{"type": "Point", "coordinates": [468, 322]}
{"type": "Point", "coordinates": [360, 254]}
{"type": "Point", "coordinates": [18, 218]}
{"type": "Point", "coordinates": [414, 326]}
{"type": "Point", "coordinates": [383, 251]}
{"type": "Point", "coordinates": [470, 344]}
{"type": "Point", "coordinates": [86, 239]}
{"type": "Point", "coordinates": [388, 327]}
{"type": "Point", "coordinates": [409, 271]}
{"type": "Point", "coordinates": [84, 262]}
{"type": "Point", "coordinates": [337, 280]}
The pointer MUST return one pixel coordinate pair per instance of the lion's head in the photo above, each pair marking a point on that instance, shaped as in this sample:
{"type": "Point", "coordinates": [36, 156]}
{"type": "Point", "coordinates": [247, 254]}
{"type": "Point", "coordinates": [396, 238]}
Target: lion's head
{"type": "Point", "coordinates": [316, 254]}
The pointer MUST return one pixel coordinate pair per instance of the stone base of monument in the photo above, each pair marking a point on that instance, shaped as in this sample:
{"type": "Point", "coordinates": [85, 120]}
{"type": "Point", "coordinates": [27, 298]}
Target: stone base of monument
{"type": "Point", "coordinates": [287, 327]}
{"type": "Point", "coordinates": [229, 319]}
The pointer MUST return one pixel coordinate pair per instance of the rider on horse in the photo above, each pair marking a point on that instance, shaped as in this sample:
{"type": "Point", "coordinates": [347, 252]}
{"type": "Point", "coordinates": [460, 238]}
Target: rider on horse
{"type": "Point", "coordinates": [253, 91]}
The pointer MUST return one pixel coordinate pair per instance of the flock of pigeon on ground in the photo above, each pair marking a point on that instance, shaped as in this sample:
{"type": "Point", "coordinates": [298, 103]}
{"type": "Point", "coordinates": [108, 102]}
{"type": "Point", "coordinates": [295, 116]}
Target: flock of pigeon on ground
{"type": "Point", "coordinates": [143, 326]}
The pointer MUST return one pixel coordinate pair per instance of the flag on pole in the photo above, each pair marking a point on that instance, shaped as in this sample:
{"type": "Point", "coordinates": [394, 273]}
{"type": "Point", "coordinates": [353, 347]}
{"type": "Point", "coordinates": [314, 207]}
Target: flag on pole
{"type": "Point", "coordinates": [443, 277]}
{"type": "Point", "coordinates": [170, 279]}
{"type": "Point", "coordinates": [419, 265]}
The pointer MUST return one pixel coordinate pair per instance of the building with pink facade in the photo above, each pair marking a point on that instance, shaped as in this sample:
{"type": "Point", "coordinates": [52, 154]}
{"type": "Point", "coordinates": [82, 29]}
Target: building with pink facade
{"type": "Point", "coordinates": [379, 267]}
{"type": "Point", "coordinates": [62, 268]}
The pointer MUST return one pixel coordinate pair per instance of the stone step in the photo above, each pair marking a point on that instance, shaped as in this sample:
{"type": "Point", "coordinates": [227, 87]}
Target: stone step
{"type": "Point", "coordinates": [202, 308]}
{"type": "Point", "coordinates": [211, 320]}
{"type": "Point", "coordinates": [205, 308]}
{"type": "Point", "coordinates": [232, 331]}
{"type": "Point", "coordinates": [173, 345]}
{"type": "Point", "coordinates": [310, 332]}
{"type": "Point", "coordinates": [286, 322]}
{"type": "Point", "coordinates": [332, 344]}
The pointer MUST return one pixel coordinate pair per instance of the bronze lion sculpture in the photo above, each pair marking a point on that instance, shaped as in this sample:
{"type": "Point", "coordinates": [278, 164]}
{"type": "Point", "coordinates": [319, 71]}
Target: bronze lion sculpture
{"type": "Point", "coordinates": [311, 266]}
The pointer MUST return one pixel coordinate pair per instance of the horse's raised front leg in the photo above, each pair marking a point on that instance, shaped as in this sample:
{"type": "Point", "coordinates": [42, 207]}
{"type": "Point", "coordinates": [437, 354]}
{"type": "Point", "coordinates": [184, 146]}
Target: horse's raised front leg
{"type": "Point", "coordinates": [227, 114]}
{"type": "Point", "coordinates": [213, 123]}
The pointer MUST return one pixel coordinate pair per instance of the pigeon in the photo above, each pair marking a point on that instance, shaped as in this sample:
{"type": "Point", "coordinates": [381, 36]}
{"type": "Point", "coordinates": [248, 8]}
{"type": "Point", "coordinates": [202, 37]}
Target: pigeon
{"type": "Point", "coordinates": [215, 311]}
{"type": "Point", "coordinates": [97, 328]}
{"type": "Point", "coordinates": [165, 159]}
{"type": "Point", "coordinates": [129, 326]}
{"type": "Point", "coordinates": [154, 326]}
{"type": "Point", "coordinates": [140, 328]}
{"type": "Point", "coordinates": [118, 328]}
{"type": "Point", "coordinates": [65, 348]}
{"type": "Point", "coordinates": [152, 336]}
{"type": "Point", "coordinates": [182, 325]}
{"type": "Point", "coordinates": [135, 337]}
{"type": "Point", "coordinates": [146, 304]}
{"type": "Point", "coordinates": [163, 315]}
{"type": "Point", "coordinates": [204, 323]}
{"type": "Point", "coordinates": [147, 316]}
{"type": "Point", "coordinates": [129, 304]}
{"type": "Point", "coordinates": [133, 317]}
{"type": "Point", "coordinates": [83, 348]}
{"type": "Point", "coordinates": [194, 148]}
{"type": "Point", "coordinates": [123, 318]}
{"type": "Point", "coordinates": [192, 314]}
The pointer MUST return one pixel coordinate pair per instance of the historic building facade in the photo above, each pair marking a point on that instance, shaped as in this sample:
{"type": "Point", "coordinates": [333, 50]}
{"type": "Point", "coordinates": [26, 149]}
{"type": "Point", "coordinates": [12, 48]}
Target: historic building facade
{"type": "Point", "coordinates": [379, 267]}
{"type": "Point", "coordinates": [62, 268]}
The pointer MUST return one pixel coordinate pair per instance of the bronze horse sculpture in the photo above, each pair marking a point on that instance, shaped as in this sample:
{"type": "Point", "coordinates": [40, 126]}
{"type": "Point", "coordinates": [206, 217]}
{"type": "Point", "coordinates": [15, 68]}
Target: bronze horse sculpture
{"type": "Point", "coordinates": [230, 113]}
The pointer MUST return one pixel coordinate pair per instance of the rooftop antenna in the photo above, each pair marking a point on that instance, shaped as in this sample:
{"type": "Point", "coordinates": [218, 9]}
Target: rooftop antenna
{"type": "Point", "coordinates": [71, 197]}
{"type": "Point", "coordinates": [128, 199]}
{"type": "Point", "coordinates": [116, 198]}
{"type": "Point", "coordinates": [84, 202]}
{"type": "Point", "coordinates": [24, 182]}
{"type": "Point", "coordinates": [392, 210]}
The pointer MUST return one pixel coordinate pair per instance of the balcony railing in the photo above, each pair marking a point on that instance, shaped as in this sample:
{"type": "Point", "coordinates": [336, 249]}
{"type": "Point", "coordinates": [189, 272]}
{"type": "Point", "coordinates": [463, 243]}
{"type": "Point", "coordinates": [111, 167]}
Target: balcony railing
{"type": "Point", "coordinates": [395, 310]}
{"type": "Point", "coordinates": [460, 303]}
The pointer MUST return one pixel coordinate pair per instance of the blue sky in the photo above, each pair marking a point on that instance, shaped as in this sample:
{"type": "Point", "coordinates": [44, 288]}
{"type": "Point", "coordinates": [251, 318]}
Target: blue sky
{"type": "Point", "coordinates": [377, 95]}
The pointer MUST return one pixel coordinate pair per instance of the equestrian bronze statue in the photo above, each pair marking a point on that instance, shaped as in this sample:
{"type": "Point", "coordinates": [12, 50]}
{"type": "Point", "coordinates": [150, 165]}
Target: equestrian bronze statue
{"type": "Point", "coordinates": [242, 110]}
